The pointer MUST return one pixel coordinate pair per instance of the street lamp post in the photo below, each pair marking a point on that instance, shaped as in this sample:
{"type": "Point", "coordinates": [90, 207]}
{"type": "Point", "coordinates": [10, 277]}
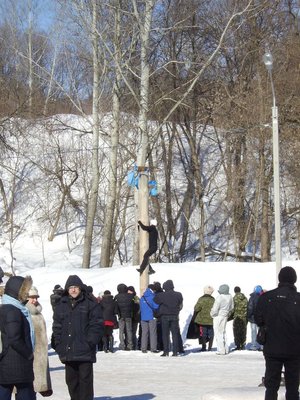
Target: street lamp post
{"type": "Point", "coordinates": [268, 60]}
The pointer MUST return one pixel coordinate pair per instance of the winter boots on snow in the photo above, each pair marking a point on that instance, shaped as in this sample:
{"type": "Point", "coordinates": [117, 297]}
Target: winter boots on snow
{"type": "Point", "coordinates": [204, 341]}
{"type": "Point", "coordinates": [108, 344]}
{"type": "Point", "coordinates": [282, 380]}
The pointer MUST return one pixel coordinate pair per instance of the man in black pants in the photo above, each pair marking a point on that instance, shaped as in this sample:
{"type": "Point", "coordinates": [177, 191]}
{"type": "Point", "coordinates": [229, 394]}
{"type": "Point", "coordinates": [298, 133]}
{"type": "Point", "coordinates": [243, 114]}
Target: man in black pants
{"type": "Point", "coordinates": [278, 311]}
{"type": "Point", "coordinates": [153, 237]}
{"type": "Point", "coordinates": [77, 328]}
{"type": "Point", "coordinates": [170, 303]}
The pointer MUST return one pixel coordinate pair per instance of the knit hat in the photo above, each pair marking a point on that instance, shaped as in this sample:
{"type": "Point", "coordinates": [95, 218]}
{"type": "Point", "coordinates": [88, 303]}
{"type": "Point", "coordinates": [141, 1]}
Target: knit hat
{"type": "Point", "coordinates": [168, 285]}
{"type": "Point", "coordinates": [153, 222]}
{"type": "Point", "coordinates": [58, 287]}
{"type": "Point", "coordinates": [258, 289]}
{"type": "Point", "coordinates": [287, 275]}
{"type": "Point", "coordinates": [131, 289]}
{"type": "Point", "coordinates": [224, 289]}
{"type": "Point", "coordinates": [237, 289]}
{"type": "Point", "coordinates": [208, 289]}
{"type": "Point", "coordinates": [157, 286]}
{"type": "Point", "coordinates": [33, 292]}
{"type": "Point", "coordinates": [122, 288]}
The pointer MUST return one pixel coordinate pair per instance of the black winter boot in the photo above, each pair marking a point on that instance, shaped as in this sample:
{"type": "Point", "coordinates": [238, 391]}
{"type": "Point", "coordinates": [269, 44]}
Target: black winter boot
{"type": "Point", "coordinates": [111, 344]}
{"type": "Point", "coordinates": [151, 270]}
{"type": "Point", "coordinates": [105, 344]}
{"type": "Point", "coordinates": [210, 343]}
{"type": "Point", "coordinates": [203, 342]}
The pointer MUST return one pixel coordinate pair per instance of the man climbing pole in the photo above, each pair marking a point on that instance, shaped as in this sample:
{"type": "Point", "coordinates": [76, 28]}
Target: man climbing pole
{"type": "Point", "coordinates": [153, 237]}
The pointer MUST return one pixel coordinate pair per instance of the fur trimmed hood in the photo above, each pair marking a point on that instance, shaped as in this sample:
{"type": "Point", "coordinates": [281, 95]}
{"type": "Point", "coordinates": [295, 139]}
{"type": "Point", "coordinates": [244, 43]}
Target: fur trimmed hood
{"type": "Point", "coordinates": [18, 287]}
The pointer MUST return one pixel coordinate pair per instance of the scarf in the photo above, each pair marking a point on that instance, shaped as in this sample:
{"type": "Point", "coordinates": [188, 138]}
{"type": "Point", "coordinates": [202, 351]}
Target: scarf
{"type": "Point", "coordinates": [14, 302]}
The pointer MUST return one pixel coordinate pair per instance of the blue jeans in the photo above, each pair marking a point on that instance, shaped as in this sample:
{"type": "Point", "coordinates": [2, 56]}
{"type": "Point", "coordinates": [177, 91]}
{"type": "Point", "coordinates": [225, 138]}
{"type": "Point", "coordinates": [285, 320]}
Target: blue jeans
{"type": "Point", "coordinates": [24, 391]}
{"type": "Point", "coordinates": [170, 323]}
{"type": "Point", "coordinates": [254, 344]}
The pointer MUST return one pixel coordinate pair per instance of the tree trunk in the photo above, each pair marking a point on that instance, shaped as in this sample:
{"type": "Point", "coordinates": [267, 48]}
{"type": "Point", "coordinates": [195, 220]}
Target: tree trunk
{"type": "Point", "coordinates": [92, 201]}
{"type": "Point", "coordinates": [145, 26]}
{"type": "Point", "coordinates": [4, 199]}
{"type": "Point", "coordinates": [107, 237]}
{"type": "Point", "coordinates": [30, 62]}
{"type": "Point", "coordinates": [57, 218]}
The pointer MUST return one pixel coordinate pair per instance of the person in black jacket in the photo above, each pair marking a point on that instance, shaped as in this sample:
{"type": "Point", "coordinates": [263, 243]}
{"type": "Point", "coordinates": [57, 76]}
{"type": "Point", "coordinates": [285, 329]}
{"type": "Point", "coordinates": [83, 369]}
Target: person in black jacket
{"type": "Point", "coordinates": [278, 311]}
{"type": "Point", "coordinates": [56, 296]}
{"type": "Point", "coordinates": [170, 303]}
{"type": "Point", "coordinates": [136, 318]}
{"type": "Point", "coordinates": [125, 307]}
{"type": "Point", "coordinates": [109, 310]}
{"type": "Point", "coordinates": [153, 237]}
{"type": "Point", "coordinates": [17, 336]}
{"type": "Point", "coordinates": [160, 346]}
{"type": "Point", "coordinates": [77, 326]}
{"type": "Point", "coordinates": [251, 307]}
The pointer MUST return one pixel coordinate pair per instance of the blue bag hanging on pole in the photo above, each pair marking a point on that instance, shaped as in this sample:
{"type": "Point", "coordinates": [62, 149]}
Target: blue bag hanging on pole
{"type": "Point", "coordinates": [153, 192]}
{"type": "Point", "coordinates": [131, 178]}
{"type": "Point", "coordinates": [153, 188]}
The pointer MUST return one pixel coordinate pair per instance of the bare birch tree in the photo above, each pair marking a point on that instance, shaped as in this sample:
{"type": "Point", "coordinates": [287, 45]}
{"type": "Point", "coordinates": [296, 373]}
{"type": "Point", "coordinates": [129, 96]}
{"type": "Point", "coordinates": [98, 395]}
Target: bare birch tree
{"type": "Point", "coordinates": [92, 203]}
{"type": "Point", "coordinates": [109, 226]}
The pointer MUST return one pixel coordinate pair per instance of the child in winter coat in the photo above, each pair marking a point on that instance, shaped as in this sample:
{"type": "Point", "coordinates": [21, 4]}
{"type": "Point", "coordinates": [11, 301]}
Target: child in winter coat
{"type": "Point", "coordinates": [109, 311]}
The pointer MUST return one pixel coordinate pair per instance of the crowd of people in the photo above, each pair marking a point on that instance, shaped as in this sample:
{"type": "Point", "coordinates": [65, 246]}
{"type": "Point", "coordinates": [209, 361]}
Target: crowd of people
{"type": "Point", "coordinates": [212, 314]}
{"type": "Point", "coordinates": [84, 324]}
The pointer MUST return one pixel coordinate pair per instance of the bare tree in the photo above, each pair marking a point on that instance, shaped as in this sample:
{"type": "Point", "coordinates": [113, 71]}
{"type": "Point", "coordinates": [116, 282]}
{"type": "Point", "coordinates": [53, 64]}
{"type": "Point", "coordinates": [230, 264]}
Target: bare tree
{"type": "Point", "coordinates": [108, 230]}
{"type": "Point", "coordinates": [92, 204]}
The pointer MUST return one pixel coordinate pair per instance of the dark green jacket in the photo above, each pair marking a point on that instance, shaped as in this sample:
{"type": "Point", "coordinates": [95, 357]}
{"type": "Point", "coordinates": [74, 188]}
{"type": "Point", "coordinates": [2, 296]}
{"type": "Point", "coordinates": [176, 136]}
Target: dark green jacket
{"type": "Point", "coordinates": [202, 308]}
{"type": "Point", "coordinates": [240, 302]}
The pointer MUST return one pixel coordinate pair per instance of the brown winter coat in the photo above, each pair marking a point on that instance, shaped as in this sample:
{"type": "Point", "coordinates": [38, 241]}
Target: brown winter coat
{"type": "Point", "coordinates": [42, 381]}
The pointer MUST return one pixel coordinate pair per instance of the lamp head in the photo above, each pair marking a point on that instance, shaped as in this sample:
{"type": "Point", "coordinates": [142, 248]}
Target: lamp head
{"type": "Point", "coordinates": [268, 60]}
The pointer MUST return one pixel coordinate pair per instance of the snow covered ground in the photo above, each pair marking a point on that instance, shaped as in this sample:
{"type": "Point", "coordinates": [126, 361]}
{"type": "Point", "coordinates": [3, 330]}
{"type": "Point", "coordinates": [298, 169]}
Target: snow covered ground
{"type": "Point", "coordinates": [137, 376]}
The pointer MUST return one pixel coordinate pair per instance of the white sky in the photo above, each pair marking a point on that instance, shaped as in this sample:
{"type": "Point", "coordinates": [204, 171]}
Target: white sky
{"type": "Point", "coordinates": [136, 376]}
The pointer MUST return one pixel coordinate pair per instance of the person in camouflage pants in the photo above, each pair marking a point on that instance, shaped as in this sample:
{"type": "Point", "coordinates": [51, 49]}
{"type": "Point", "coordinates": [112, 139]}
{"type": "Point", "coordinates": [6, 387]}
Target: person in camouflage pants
{"type": "Point", "coordinates": [240, 302]}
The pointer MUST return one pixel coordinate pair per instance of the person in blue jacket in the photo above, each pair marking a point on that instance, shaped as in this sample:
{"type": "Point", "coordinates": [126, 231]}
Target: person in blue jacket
{"type": "Point", "coordinates": [148, 321]}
